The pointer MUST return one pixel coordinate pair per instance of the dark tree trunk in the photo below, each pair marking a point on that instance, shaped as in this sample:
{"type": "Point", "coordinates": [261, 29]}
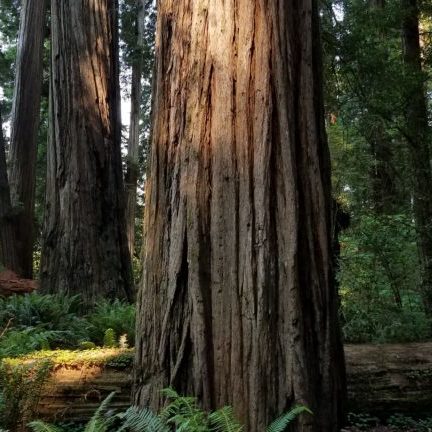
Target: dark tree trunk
{"type": "Point", "coordinates": [386, 198]}
{"type": "Point", "coordinates": [419, 136]}
{"type": "Point", "coordinates": [132, 173]}
{"type": "Point", "coordinates": [8, 251]}
{"type": "Point", "coordinates": [238, 304]}
{"type": "Point", "coordinates": [25, 122]}
{"type": "Point", "coordinates": [85, 246]}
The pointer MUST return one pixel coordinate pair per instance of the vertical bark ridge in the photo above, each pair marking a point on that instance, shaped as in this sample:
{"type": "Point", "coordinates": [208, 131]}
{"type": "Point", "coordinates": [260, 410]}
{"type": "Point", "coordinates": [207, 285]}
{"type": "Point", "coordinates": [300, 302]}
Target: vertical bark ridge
{"type": "Point", "coordinates": [237, 109]}
{"type": "Point", "coordinates": [85, 246]}
{"type": "Point", "coordinates": [24, 132]}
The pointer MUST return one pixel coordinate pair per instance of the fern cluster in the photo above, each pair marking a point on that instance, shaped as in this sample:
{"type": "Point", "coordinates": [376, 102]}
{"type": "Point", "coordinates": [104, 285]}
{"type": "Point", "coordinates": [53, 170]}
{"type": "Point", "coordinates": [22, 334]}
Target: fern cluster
{"type": "Point", "coordinates": [34, 322]}
{"type": "Point", "coordinates": [21, 387]}
{"type": "Point", "coordinates": [182, 414]}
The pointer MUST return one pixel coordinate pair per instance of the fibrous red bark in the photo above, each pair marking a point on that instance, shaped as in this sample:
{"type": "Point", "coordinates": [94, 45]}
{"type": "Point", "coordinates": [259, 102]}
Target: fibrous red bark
{"type": "Point", "coordinates": [238, 304]}
{"type": "Point", "coordinates": [85, 245]}
{"type": "Point", "coordinates": [24, 131]}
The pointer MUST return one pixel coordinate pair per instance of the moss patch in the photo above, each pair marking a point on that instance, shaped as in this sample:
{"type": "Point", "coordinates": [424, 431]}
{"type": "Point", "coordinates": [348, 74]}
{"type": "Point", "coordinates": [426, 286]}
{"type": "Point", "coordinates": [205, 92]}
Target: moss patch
{"type": "Point", "coordinates": [118, 358]}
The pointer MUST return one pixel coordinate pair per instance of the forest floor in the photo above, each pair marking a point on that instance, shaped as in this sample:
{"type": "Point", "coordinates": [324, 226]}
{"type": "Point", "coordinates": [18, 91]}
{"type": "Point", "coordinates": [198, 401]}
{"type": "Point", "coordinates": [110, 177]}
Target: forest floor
{"type": "Point", "coordinates": [380, 429]}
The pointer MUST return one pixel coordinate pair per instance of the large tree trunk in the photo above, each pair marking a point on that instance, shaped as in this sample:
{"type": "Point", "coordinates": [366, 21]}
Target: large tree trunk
{"type": "Point", "coordinates": [132, 173]}
{"type": "Point", "coordinates": [8, 251]}
{"type": "Point", "coordinates": [85, 245]}
{"type": "Point", "coordinates": [419, 137]}
{"type": "Point", "coordinates": [238, 305]}
{"type": "Point", "coordinates": [25, 122]}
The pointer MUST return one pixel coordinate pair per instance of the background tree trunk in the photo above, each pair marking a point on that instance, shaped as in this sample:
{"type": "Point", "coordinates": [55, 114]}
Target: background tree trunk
{"type": "Point", "coordinates": [8, 251]}
{"type": "Point", "coordinates": [134, 130]}
{"type": "Point", "coordinates": [418, 136]}
{"type": "Point", "coordinates": [24, 133]}
{"type": "Point", "coordinates": [238, 305]}
{"type": "Point", "coordinates": [85, 245]}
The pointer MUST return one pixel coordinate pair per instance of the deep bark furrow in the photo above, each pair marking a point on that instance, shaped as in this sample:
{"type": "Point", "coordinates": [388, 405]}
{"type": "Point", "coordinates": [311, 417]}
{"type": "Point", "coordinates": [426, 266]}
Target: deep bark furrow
{"type": "Point", "coordinates": [85, 245]}
{"type": "Point", "coordinates": [252, 198]}
{"type": "Point", "coordinates": [24, 131]}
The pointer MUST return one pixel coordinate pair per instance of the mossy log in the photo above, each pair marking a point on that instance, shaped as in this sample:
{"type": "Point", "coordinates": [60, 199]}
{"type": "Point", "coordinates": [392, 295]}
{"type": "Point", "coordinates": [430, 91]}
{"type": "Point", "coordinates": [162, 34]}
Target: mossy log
{"type": "Point", "coordinates": [382, 380]}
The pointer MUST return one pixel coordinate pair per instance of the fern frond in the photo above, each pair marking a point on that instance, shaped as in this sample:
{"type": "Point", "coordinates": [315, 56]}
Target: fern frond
{"type": "Point", "coordinates": [97, 423]}
{"type": "Point", "coordinates": [180, 406]}
{"type": "Point", "coordinates": [281, 423]}
{"type": "Point", "coordinates": [170, 393]}
{"type": "Point", "coordinates": [223, 420]}
{"type": "Point", "coordinates": [40, 426]}
{"type": "Point", "coordinates": [143, 420]}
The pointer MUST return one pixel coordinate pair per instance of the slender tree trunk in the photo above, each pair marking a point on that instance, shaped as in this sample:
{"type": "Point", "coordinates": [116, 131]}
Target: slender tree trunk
{"type": "Point", "coordinates": [85, 246]}
{"type": "Point", "coordinates": [8, 251]}
{"type": "Point", "coordinates": [385, 197]}
{"type": "Point", "coordinates": [419, 138]}
{"type": "Point", "coordinates": [25, 123]}
{"type": "Point", "coordinates": [238, 304]}
{"type": "Point", "coordinates": [132, 173]}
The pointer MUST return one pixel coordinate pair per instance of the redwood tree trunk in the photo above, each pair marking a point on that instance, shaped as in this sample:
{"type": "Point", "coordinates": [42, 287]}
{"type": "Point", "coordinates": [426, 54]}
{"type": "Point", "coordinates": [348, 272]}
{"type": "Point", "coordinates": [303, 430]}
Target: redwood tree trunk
{"type": "Point", "coordinates": [25, 123]}
{"type": "Point", "coordinates": [134, 131]}
{"type": "Point", "coordinates": [85, 246]}
{"type": "Point", "coordinates": [238, 305]}
{"type": "Point", "coordinates": [419, 139]}
{"type": "Point", "coordinates": [8, 251]}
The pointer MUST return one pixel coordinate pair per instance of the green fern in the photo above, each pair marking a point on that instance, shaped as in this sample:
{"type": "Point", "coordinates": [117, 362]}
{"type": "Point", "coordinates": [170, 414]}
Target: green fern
{"type": "Point", "coordinates": [183, 412]}
{"type": "Point", "coordinates": [143, 420]}
{"type": "Point", "coordinates": [223, 420]}
{"type": "Point", "coordinates": [282, 422]}
{"type": "Point", "coordinates": [40, 426]}
{"type": "Point", "coordinates": [98, 423]}
{"type": "Point", "coordinates": [109, 340]}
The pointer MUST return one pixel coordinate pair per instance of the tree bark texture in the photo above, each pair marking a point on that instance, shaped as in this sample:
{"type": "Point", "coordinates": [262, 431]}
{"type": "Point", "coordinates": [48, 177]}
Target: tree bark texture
{"type": "Point", "coordinates": [132, 173]}
{"type": "Point", "coordinates": [25, 123]}
{"type": "Point", "coordinates": [85, 245]}
{"type": "Point", "coordinates": [8, 250]}
{"type": "Point", "coordinates": [237, 304]}
{"type": "Point", "coordinates": [419, 139]}
{"type": "Point", "coordinates": [12, 284]}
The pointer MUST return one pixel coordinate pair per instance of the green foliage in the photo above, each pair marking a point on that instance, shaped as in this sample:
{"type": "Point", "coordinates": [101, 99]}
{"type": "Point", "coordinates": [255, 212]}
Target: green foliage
{"type": "Point", "coordinates": [109, 340]}
{"type": "Point", "coordinates": [40, 322]}
{"type": "Point", "coordinates": [86, 345]}
{"type": "Point", "coordinates": [142, 420]}
{"type": "Point", "coordinates": [116, 315]}
{"type": "Point", "coordinates": [281, 423]}
{"type": "Point", "coordinates": [21, 387]}
{"type": "Point", "coordinates": [40, 426]}
{"type": "Point", "coordinates": [112, 357]}
{"type": "Point", "coordinates": [182, 413]}
{"type": "Point", "coordinates": [368, 91]}
{"type": "Point", "coordinates": [362, 421]}
{"type": "Point", "coordinates": [401, 421]}
{"type": "Point", "coordinates": [35, 321]}
{"type": "Point", "coordinates": [378, 282]}
{"type": "Point", "coordinates": [18, 342]}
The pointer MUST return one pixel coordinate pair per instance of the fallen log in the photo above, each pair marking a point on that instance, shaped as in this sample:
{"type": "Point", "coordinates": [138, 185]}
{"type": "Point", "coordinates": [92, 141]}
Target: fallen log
{"type": "Point", "coordinates": [389, 379]}
{"type": "Point", "coordinates": [11, 283]}
{"type": "Point", "coordinates": [382, 380]}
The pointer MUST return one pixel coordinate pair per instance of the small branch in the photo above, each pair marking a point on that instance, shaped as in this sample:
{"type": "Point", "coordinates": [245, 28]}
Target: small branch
{"type": "Point", "coordinates": [6, 328]}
